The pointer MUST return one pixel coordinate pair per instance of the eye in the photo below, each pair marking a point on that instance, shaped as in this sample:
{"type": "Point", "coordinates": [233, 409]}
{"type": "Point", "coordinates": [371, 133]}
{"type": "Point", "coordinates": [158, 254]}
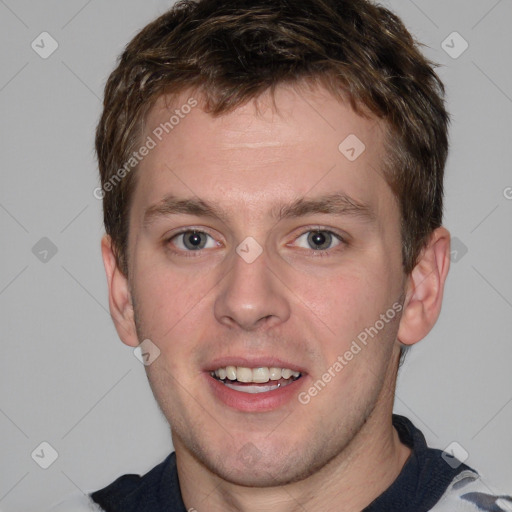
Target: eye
{"type": "Point", "coordinates": [319, 240]}
{"type": "Point", "coordinates": [192, 240]}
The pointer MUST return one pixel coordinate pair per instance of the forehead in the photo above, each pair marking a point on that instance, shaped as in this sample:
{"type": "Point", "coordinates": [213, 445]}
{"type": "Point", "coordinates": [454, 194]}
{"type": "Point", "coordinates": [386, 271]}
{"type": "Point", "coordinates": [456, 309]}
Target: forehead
{"type": "Point", "coordinates": [296, 143]}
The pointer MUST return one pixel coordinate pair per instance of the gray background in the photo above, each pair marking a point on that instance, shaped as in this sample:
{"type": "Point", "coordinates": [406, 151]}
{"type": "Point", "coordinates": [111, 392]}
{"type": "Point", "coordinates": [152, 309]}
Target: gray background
{"type": "Point", "coordinates": [66, 379]}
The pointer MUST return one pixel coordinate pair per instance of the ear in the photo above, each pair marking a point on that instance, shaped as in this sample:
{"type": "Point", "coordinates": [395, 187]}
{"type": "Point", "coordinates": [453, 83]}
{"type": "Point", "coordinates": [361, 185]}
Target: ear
{"type": "Point", "coordinates": [119, 296]}
{"type": "Point", "coordinates": [424, 289]}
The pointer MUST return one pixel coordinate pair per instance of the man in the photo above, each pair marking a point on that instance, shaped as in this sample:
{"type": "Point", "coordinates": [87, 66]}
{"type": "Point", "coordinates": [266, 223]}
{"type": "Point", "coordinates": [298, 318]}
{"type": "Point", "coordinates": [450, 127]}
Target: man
{"type": "Point", "coordinates": [272, 182]}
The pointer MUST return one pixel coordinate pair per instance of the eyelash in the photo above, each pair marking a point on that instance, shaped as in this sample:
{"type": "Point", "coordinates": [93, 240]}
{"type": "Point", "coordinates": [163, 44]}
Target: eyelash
{"type": "Point", "coordinates": [314, 253]}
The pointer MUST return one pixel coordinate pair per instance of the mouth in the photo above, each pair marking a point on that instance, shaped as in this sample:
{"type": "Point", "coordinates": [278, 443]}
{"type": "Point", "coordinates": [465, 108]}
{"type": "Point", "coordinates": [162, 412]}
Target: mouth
{"type": "Point", "coordinates": [255, 388]}
{"type": "Point", "coordinates": [255, 380]}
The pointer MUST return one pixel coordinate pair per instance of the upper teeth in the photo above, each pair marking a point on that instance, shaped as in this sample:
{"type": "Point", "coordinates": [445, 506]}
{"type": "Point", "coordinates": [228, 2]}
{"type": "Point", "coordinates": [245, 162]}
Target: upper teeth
{"type": "Point", "coordinates": [259, 375]}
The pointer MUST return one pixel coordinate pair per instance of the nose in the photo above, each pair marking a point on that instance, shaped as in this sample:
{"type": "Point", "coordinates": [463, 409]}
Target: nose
{"type": "Point", "coordinates": [251, 296]}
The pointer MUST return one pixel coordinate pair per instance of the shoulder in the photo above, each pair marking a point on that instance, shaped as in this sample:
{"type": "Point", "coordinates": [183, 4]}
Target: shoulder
{"type": "Point", "coordinates": [158, 489]}
{"type": "Point", "coordinates": [468, 493]}
{"type": "Point", "coordinates": [76, 502]}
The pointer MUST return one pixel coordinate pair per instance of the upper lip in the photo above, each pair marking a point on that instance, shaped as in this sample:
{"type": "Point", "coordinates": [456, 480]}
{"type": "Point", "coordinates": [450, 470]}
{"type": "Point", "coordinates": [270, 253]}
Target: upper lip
{"type": "Point", "coordinates": [253, 362]}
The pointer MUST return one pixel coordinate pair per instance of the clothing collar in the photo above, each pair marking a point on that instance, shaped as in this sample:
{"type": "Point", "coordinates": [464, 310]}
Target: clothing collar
{"type": "Point", "coordinates": [424, 477]}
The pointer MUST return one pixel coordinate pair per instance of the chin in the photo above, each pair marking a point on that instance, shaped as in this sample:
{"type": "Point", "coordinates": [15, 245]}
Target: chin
{"type": "Point", "coordinates": [276, 466]}
{"type": "Point", "coordinates": [263, 474]}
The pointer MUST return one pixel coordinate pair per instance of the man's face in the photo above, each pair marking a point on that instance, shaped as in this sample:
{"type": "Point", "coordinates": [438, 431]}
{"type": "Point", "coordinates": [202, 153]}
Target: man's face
{"type": "Point", "coordinates": [273, 277]}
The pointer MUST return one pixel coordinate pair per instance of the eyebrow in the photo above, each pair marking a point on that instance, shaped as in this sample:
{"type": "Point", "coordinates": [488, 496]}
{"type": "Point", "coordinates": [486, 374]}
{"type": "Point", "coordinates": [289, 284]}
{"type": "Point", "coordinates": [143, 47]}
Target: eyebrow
{"type": "Point", "coordinates": [335, 204]}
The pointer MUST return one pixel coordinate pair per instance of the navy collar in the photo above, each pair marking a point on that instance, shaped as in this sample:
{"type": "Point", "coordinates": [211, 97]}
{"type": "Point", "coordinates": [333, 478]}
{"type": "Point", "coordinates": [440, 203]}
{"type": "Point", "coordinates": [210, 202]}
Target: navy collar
{"type": "Point", "coordinates": [423, 479]}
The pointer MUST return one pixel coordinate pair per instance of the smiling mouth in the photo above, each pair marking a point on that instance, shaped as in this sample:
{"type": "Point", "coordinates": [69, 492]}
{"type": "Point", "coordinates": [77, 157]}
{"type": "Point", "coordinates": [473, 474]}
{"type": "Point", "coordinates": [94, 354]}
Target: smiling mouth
{"type": "Point", "coordinates": [255, 380]}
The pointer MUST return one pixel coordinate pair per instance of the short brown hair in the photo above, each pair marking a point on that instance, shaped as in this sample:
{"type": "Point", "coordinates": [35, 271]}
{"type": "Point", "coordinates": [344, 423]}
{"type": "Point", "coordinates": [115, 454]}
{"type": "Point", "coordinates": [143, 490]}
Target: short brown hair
{"type": "Point", "coordinates": [231, 51]}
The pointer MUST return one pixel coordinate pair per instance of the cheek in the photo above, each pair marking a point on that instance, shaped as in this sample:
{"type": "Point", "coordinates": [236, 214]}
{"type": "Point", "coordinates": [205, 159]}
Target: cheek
{"type": "Point", "coordinates": [339, 302]}
{"type": "Point", "coordinates": [344, 309]}
{"type": "Point", "coordinates": [168, 304]}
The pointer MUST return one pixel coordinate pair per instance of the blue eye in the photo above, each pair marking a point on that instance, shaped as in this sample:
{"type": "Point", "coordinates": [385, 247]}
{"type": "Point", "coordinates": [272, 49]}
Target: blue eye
{"type": "Point", "coordinates": [320, 240]}
{"type": "Point", "coordinates": [193, 240]}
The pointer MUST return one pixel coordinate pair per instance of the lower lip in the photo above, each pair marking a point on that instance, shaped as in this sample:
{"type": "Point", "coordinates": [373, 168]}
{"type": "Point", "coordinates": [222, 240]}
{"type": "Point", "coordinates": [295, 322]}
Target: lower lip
{"type": "Point", "coordinates": [255, 402]}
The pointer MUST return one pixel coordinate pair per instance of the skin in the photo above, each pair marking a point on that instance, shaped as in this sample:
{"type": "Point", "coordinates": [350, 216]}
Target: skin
{"type": "Point", "coordinates": [340, 451]}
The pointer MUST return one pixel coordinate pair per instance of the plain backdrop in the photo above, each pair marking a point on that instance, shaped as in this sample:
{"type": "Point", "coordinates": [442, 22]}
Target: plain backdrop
{"type": "Point", "coordinates": [67, 380]}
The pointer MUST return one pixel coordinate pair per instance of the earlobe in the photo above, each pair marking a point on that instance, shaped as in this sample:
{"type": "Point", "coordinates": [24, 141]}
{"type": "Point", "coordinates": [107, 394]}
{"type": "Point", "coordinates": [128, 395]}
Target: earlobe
{"type": "Point", "coordinates": [119, 295]}
{"type": "Point", "coordinates": [425, 286]}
